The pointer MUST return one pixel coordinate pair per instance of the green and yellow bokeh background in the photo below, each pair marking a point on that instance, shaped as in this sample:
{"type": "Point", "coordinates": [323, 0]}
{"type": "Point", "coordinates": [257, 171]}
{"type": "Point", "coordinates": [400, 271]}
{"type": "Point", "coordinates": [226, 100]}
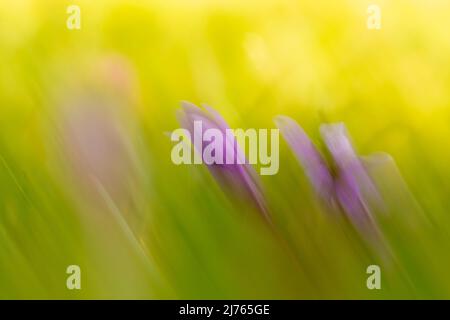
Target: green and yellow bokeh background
{"type": "Point", "coordinates": [141, 227]}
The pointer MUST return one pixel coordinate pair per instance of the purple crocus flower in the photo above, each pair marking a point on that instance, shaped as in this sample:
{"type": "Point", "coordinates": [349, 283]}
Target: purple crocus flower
{"type": "Point", "coordinates": [354, 188]}
{"type": "Point", "coordinates": [312, 161]}
{"type": "Point", "coordinates": [95, 145]}
{"type": "Point", "coordinates": [349, 186]}
{"type": "Point", "coordinates": [237, 177]}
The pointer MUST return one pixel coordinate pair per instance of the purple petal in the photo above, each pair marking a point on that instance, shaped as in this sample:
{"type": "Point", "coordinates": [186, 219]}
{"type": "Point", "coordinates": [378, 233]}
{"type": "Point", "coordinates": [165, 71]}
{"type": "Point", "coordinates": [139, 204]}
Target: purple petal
{"type": "Point", "coordinates": [309, 157]}
{"type": "Point", "coordinates": [241, 179]}
{"type": "Point", "coordinates": [354, 188]}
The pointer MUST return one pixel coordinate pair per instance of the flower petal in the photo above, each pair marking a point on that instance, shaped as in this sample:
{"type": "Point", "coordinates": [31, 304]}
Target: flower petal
{"type": "Point", "coordinates": [308, 156]}
{"type": "Point", "coordinates": [240, 179]}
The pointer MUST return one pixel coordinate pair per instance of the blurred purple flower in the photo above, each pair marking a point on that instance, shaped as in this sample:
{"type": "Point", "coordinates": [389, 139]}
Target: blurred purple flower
{"type": "Point", "coordinates": [240, 179]}
{"type": "Point", "coordinates": [349, 185]}
{"type": "Point", "coordinates": [354, 188]}
{"type": "Point", "coordinates": [96, 146]}
{"type": "Point", "coordinates": [312, 161]}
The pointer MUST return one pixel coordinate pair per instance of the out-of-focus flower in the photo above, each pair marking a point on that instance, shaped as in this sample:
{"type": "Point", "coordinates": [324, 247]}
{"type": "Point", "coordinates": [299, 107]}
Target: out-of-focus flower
{"type": "Point", "coordinates": [348, 185]}
{"type": "Point", "coordinates": [116, 74]}
{"type": "Point", "coordinates": [315, 166]}
{"type": "Point", "coordinates": [239, 179]}
{"type": "Point", "coordinates": [96, 125]}
{"type": "Point", "coordinates": [354, 188]}
{"type": "Point", "coordinates": [95, 146]}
